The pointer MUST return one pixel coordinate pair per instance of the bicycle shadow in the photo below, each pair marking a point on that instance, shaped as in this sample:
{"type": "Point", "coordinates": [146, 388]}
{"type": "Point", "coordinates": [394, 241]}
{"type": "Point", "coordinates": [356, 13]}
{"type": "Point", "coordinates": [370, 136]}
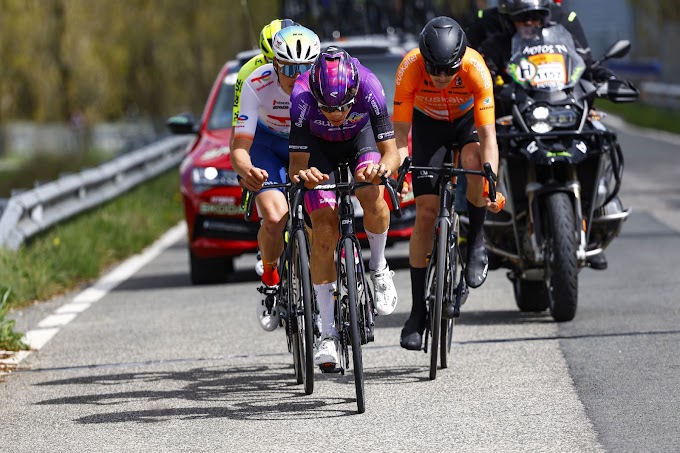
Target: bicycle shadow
{"type": "Point", "coordinates": [475, 318]}
{"type": "Point", "coordinates": [257, 392]}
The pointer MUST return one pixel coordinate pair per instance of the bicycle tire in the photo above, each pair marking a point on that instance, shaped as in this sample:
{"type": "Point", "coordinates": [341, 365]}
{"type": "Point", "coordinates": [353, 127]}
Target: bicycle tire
{"type": "Point", "coordinates": [453, 282]}
{"type": "Point", "coordinates": [436, 315]}
{"type": "Point", "coordinates": [355, 334]}
{"type": "Point", "coordinates": [304, 319]}
{"type": "Point", "coordinates": [286, 296]}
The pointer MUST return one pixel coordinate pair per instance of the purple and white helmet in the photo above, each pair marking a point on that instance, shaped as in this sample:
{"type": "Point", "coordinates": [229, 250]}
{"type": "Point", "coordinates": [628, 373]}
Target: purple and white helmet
{"type": "Point", "coordinates": [334, 78]}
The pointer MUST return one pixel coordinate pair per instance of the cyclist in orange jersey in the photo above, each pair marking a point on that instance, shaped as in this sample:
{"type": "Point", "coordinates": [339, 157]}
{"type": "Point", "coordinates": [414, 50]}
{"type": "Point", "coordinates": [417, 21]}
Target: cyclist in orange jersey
{"type": "Point", "coordinates": [444, 92]}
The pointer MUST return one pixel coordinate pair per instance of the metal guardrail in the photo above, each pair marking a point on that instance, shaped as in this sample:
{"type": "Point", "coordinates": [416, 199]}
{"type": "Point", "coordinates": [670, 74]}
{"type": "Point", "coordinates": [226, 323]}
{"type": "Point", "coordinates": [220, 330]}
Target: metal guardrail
{"type": "Point", "coordinates": [33, 211]}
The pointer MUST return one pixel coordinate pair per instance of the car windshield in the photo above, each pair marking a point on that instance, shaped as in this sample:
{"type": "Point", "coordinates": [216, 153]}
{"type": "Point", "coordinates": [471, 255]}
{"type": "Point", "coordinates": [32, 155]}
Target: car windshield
{"type": "Point", "coordinates": [383, 66]}
{"type": "Point", "coordinates": [221, 113]}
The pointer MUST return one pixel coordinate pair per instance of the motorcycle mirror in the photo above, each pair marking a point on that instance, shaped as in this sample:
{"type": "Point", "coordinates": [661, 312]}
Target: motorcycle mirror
{"type": "Point", "coordinates": [617, 50]}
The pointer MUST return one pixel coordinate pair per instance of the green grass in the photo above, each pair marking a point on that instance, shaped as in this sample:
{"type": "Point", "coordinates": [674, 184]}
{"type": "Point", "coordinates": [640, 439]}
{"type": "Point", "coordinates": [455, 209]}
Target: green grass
{"type": "Point", "coordinates": [74, 253]}
{"type": "Point", "coordinates": [643, 115]}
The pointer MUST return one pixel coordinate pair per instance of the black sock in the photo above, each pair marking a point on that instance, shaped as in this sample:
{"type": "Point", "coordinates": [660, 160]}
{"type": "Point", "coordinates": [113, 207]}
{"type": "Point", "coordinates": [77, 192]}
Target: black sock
{"type": "Point", "coordinates": [418, 309]}
{"type": "Point", "coordinates": [476, 216]}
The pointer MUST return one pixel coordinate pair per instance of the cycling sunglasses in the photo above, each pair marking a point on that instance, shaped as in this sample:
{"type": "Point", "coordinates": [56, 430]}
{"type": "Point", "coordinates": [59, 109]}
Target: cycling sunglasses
{"type": "Point", "coordinates": [289, 70]}
{"type": "Point", "coordinates": [340, 108]}
{"type": "Point", "coordinates": [532, 16]}
{"type": "Point", "coordinates": [438, 70]}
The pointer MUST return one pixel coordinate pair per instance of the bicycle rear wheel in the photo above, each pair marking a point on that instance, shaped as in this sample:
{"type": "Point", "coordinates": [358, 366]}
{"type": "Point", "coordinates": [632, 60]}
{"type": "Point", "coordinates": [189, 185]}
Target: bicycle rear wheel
{"type": "Point", "coordinates": [355, 334]}
{"type": "Point", "coordinates": [303, 339]}
{"type": "Point", "coordinates": [440, 285]}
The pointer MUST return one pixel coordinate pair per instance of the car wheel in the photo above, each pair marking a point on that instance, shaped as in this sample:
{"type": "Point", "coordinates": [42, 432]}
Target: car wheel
{"type": "Point", "coordinates": [210, 271]}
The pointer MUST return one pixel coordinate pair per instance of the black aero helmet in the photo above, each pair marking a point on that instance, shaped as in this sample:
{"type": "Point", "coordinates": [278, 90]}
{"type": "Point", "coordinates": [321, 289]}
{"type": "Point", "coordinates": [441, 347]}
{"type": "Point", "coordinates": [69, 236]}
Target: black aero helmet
{"type": "Point", "coordinates": [518, 8]}
{"type": "Point", "coordinates": [442, 44]}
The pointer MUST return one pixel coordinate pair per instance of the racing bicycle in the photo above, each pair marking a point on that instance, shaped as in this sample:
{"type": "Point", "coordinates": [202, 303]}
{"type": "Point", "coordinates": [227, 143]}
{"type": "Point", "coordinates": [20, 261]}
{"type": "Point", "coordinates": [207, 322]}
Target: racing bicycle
{"type": "Point", "coordinates": [295, 295]}
{"type": "Point", "coordinates": [354, 308]}
{"type": "Point", "coordinates": [445, 288]}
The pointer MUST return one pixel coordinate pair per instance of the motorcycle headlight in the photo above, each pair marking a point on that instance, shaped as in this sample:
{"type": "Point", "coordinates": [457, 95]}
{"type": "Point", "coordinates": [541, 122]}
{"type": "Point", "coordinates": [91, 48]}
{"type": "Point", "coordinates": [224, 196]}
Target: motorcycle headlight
{"type": "Point", "coordinates": [544, 119]}
{"type": "Point", "coordinates": [205, 178]}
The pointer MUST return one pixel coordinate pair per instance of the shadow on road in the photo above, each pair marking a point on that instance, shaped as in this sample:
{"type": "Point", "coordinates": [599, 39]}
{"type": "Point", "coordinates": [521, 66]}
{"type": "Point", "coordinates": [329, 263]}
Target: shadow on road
{"type": "Point", "coordinates": [256, 392]}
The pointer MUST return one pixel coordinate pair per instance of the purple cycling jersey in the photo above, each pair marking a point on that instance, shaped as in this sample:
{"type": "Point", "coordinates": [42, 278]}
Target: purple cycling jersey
{"type": "Point", "coordinates": [370, 105]}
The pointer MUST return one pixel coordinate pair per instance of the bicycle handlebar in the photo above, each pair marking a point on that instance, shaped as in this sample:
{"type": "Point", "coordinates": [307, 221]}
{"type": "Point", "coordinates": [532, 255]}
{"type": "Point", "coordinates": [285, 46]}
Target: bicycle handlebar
{"type": "Point", "coordinates": [393, 186]}
{"type": "Point", "coordinates": [487, 173]}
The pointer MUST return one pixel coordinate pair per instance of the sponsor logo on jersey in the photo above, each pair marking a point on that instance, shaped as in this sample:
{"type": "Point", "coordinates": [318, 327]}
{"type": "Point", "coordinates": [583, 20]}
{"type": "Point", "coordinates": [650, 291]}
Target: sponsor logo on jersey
{"type": "Point", "coordinates": [459, 81]}
{"type": "Point", "coordinates": [483, 71]}
{"type": "Point", "coordinates": [304, 109]}
{"type": "Point", "coordinates": [386, 135]}
{"type": "Point", "coordinates": [355, 117]}
{"type": "Point", "coordinates": [242, 118]}
{"type": "Point", "coordinates": [280, 105]}
{"type": "Point", "coordinates": [404, 65]}
{"type": "Point", "coordinates": [375, 106]}
{"type": "Point", "coordinates": [264, 86]}
{"type": "Point", "coordinates": [264, 78]}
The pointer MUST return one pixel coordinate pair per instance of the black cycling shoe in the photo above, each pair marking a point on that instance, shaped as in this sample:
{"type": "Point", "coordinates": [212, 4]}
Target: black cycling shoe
{"type": "Point", "coordinates": [598, 262]}
{"type": "Point", "coordinates": [477, 266]}
{"type": "Point", "coordinates": [411, 337]}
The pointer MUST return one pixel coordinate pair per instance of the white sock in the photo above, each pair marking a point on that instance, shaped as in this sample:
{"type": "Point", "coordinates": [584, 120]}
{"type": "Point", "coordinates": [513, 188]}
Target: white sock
{"type": "Point", "coordinates": [326, 303]}
{"type": "Point", "coordinates": [377, 243]}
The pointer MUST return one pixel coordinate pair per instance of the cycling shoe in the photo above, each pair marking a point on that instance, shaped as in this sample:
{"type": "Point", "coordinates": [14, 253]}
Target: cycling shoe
{"type": "Point", "coordinates": [477, 266]}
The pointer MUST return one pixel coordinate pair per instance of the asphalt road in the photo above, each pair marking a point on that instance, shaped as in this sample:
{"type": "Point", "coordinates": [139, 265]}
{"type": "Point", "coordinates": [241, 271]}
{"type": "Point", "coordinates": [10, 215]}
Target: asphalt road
{"type": "Point", "coordinates": [159, 365]}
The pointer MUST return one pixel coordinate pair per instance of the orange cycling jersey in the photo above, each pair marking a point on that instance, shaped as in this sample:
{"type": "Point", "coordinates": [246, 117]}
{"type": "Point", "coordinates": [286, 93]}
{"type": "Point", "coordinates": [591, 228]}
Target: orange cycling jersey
{"type": "Point", "coordinates": [471, 87]}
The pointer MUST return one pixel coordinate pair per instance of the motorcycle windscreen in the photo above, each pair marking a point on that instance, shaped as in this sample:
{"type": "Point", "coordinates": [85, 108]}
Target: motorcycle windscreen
{"type": "Point", "coordinates": [545, 59]}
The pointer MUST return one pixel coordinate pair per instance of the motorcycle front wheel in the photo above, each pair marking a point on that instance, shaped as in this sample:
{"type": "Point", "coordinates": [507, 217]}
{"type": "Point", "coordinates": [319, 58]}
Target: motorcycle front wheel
{"type": "Point", "coordinates": [561, 263]}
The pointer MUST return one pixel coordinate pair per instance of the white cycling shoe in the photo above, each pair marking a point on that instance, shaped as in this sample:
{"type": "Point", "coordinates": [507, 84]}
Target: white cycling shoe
{"type": "Point", "coordinates": [327, 351]}
{"type": "Point", "coordinates": [385, 292]}
{"type": "Point", "coordinates": [269, 319]}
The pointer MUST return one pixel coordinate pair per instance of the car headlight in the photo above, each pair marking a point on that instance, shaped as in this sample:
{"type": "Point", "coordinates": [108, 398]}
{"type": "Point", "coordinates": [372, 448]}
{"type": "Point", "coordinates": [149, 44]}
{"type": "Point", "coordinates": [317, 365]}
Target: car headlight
{"type": "Point", "coordinates": [205, 178]}
{"type": "Point", "coordinates": [542, 119]}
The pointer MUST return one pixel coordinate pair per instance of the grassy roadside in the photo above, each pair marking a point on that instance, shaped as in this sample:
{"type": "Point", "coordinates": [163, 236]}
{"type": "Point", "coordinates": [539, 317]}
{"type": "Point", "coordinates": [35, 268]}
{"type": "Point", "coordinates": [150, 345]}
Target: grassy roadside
{"type": "Point", "coordinates": [643, 115]}
{"type": "Point", "coordinates": [74, 253]}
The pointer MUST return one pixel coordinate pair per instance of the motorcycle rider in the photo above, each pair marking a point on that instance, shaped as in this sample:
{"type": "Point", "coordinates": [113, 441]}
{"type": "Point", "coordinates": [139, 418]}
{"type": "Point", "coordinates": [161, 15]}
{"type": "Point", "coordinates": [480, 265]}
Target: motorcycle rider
{"type": "Point", "coordinates": [339, 113]}
{"type": "Point", "coordinates": [496, 49]}
{"type": "Point", "coordinates": [260, 149]}
{"type": "Point", "coordinates": [445, 91]}
{"type": "Point", "coordinates": [490, 21]}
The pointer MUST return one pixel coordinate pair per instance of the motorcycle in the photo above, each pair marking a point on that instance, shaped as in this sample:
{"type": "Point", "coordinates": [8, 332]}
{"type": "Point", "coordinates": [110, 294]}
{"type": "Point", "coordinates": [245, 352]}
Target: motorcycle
{"type": "Point", "coordinates": [560, 169]}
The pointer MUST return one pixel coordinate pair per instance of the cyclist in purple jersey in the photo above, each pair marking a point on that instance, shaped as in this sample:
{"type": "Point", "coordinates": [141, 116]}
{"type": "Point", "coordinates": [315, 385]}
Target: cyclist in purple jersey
{"type": "Point", "coordinates": [369, 106]}
{"type": "Point", "coordinates": [339, 114]}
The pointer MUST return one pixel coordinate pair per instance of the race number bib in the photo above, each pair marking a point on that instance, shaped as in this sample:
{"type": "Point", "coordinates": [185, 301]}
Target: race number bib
{"type": "Point", "coordinates": [542, 71]}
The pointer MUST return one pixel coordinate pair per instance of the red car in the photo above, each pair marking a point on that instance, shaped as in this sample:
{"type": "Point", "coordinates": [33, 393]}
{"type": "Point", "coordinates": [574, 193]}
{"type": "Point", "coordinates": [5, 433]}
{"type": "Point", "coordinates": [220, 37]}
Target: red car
{"type": "Point", "coordinates": [212, 195]}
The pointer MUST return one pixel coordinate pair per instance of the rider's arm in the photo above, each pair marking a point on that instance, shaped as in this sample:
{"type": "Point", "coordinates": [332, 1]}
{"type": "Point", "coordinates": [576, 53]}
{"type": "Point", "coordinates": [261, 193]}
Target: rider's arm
{"type": "Point", "coordinates": [390, 156]}
{"type": "Point", "coordinates": [243, 73]}
{"type": "Point", "coordinates": [484, 107]}
{"type": "Point", "coordinates": [243, 135]}
{"type": "Point", "coordinates": [401, 131]}
{"type": "Point", "coordinates": [298, 161]}
{"type": "Point", "coordinates": [406, 83]}
{"type": "Point", "coordinates": [240, 155]}
{"type": "Point", "coordinates": [487, 141]}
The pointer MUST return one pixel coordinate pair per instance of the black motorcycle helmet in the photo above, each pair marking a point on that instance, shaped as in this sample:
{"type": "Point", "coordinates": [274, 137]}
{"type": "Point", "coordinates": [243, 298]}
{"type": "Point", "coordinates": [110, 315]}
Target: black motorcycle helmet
{"type": "Point", "coordinates": [514, 9]}
{"type": "Point", "coordinates": [442, 44]}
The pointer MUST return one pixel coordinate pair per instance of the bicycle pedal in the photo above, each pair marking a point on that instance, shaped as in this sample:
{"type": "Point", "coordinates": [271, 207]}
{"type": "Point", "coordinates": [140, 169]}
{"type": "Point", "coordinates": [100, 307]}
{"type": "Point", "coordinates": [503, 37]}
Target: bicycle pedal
{"type": "Point", "coordinates": [330, 368]}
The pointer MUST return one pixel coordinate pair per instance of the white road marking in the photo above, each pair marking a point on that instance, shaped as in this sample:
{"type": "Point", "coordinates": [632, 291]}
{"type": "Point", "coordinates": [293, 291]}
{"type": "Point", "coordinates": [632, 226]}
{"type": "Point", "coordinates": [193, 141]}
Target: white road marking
{"type": "Point", "coordinates": [50, 326]}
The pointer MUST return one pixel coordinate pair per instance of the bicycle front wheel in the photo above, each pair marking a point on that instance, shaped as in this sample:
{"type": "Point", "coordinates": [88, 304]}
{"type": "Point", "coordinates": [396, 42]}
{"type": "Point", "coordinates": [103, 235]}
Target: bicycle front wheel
{"type": "Point", "coordinates": [355, 334]}
{"type": "Point", "coordinates": [304, 313]}
{"type": "Point", "coordinates": [454, 289]}
{"type": "Point", "coordinates": [440, 291]}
